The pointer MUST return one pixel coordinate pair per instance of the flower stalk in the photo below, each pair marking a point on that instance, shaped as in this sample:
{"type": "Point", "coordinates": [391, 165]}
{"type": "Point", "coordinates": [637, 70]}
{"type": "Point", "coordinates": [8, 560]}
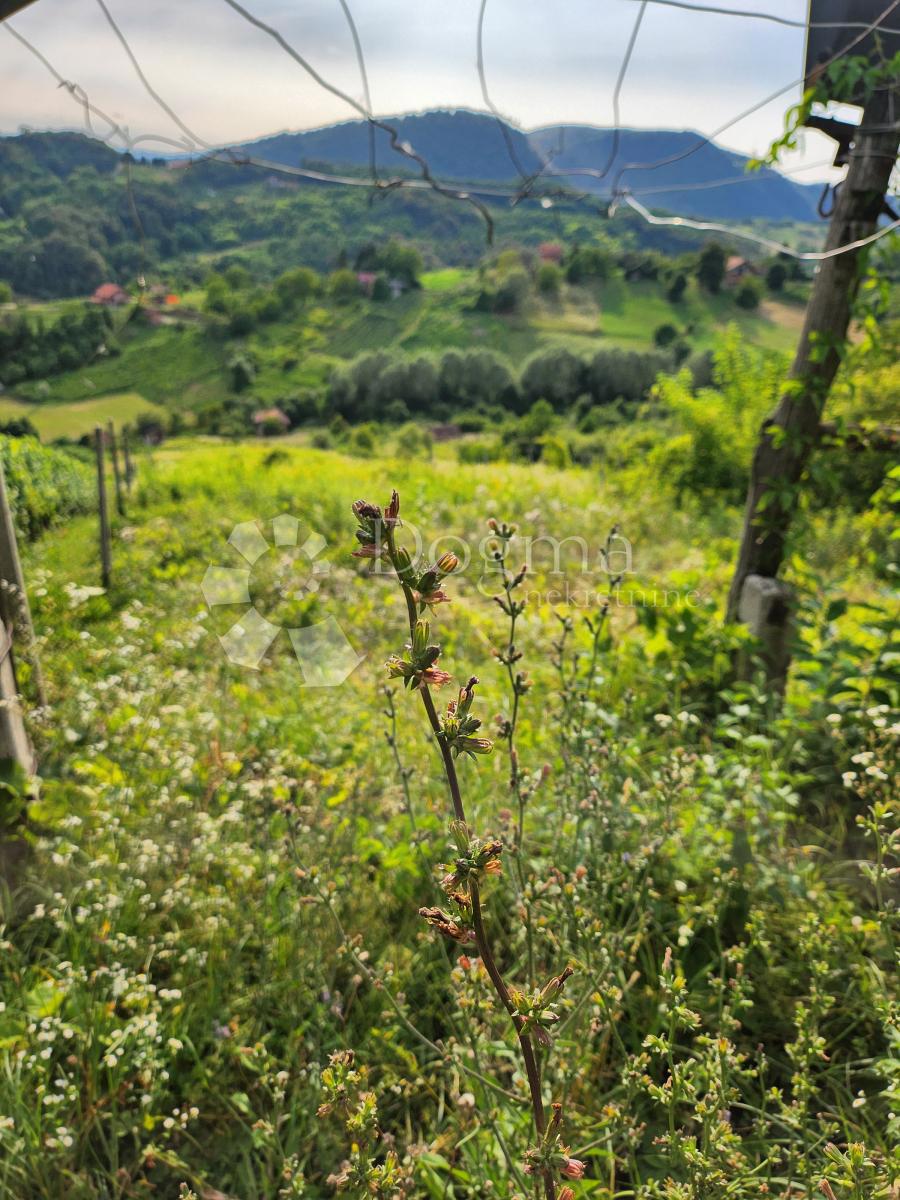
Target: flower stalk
{"type": "Point", "coordinates": [477, 858]}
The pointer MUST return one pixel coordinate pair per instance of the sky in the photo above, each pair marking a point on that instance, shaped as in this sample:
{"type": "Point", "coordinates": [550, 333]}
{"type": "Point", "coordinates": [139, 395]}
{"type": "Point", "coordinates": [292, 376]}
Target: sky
{"type": "Point", "coordinates": [547, 62]}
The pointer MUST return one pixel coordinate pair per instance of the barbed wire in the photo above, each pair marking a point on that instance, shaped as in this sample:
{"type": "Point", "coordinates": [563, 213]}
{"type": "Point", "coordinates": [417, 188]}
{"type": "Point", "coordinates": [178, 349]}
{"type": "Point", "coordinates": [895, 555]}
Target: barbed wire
{"type": "Point", "coordinates": [770, 244]}
{"type": "Point", "coordinates": [426, 181]}
{"type": "Point", "coordinates": [764, 16]}
{"type": "Point", "coordinates": [401, 147]}
{"type": "Point", "coordinates": [364, 80]}
{"type": "Point", "coordinates": [502, 120]}
{"type": "Point", "coordinates": [747, 177]}
{"type": "Point", "coordinates": [79, 95]}
{"type": "Point", "coordinates": [617, 92]}
{"type": "Point", "coordinates": [705, 140]}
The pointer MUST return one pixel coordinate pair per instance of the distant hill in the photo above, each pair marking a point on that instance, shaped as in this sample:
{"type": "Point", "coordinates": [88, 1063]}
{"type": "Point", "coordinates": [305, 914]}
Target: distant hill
{"type": "Point", "coordinates": [736, 195]}
{"type": "Point", "coordinates": [71, 218]}
{"type": "Point", "coordinates": [457, 146]}
{"type": "Point", "coordinates": [472, 148]}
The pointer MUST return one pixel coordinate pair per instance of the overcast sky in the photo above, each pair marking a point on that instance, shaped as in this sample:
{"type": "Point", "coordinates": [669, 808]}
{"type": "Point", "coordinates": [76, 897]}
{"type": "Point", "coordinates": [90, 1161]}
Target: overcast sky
{"type": "Point", "coordinates": [547, 61]}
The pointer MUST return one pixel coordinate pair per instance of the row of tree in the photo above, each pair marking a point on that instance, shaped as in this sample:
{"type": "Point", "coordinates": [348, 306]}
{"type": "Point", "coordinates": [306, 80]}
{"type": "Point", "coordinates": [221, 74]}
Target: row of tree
{"type": "Point", "coordinates": [32, 348]}
{"type": "Point", "coordinates": [381, 386]}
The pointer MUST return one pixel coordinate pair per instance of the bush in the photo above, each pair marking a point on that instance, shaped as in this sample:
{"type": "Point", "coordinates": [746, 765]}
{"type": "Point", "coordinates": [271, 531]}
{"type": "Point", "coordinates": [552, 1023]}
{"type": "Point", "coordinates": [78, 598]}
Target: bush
{"type": "Point", "coordinates": [241, 322]}
{"type": "Point", "coordinates": [343, 286]}
{"type": "Point", "coordinates": [676, 289]}
{"type": "Point", "coordinates": [665, 335]}
{"type": "Point", "coordinates": [557, 376]}
{"type": "Point", "coordinates": [749, 294]}
{"type": "Point", "coordinates": [45, 485]}
{"type": "Point", "coordinates": [512, 292]}
{"type": "Point", "coordinates": [549, 279]}
{"type": "Point", "coordinates": [626, 374]}
{"type": "Point", "coordinates": [588, 263]}
{"type": "Point", "coordinates": [242, 369]}
{"type": "Point", "coordinates": [293, 287]}
{"type": "Point", "coordinates": [711, 267]}
{"type": "Point", "coordinates": [414, 443]}
{"type": "Point", "coordinates": [482, 451]}
{"type": "Point", "coordinates": [555, 453]}
{"type": "Point", "coordinates": [776, 276]}
{"type": "Point", "coordinates": [718, 426]}
{"type": "Point", "coordinates": [476, 378]}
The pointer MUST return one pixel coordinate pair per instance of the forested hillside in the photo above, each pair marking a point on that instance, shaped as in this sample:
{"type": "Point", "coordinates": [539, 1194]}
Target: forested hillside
{"type": "Point", "coordinates": [74, 213]}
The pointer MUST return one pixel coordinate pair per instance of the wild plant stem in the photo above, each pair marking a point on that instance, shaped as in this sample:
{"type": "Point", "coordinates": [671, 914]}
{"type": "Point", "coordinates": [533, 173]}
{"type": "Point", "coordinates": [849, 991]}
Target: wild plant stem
{"type": "Point", "coordinates": [532, 1071]}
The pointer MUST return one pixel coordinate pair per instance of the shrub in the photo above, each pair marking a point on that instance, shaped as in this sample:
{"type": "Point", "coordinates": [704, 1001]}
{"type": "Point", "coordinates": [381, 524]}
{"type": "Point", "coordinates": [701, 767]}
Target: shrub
{"type": "Point", "coordinates": [612, 374]}
{"type": "Point", "coordinates": [588, 263]}
{"type": "Point", "coordinates": [676, 289]}
{"type": "Point", "coordinates": [242, 369]}
{"type": "Point", "coordinates": [719, 425]}
{"type": "Point", "coordinates": [776, 276]}
{"type": "Point", "coordinates": [555, 452]}
{"type": "Point", "coordinates": [549, 279]}
{"type": "Point", "coordinates": [749, 294]}
{"type": "Point", "coordinates": [343, 286]}
{"type": "Point", "coordinates": [45, 485]}
{"type": "Point", "coordinates": [476, 378]}
{"type": "Point", "coordinates": [241, 322]}
{"type": "Point", "coordinates": [481, 451]}
{"type": "Point", "coordinates": [512, 292]}
{"type": "Point", "coordinates": [665, 335]}
{"type": "Point", "coordinates": [557, 376]}
{"type": "Point", "coordinates": [711, 267]}
{"type": "Point", "coordinates": [298, 285]}
{"type": "Point", "coordinates": [414, 442]}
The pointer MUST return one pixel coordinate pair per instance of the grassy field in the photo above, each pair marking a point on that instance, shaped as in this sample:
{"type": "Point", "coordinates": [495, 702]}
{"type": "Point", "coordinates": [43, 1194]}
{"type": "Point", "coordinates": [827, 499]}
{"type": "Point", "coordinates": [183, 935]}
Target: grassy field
{"type": "Point", "coordinates": [57, 420]}
{"type": "Point", "coordinates": [185, 367]}
{"type": "Point", "coordinates": [225, 889]}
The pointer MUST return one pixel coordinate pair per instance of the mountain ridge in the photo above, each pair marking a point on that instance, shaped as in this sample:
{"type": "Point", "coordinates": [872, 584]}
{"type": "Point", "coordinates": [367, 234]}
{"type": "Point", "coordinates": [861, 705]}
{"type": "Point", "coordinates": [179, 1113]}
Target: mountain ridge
{"type": "Point", "coordinates": [695, 178]}
{"type": "Point", "coordinates": [465, 146]}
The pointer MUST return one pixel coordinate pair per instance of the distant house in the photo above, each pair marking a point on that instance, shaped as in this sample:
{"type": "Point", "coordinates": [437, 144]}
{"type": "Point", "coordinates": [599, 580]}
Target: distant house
{"type": "Point", "coordinates": [398, 287]}
{"type": "Point", "coordinates": [366, 281]}
{"type": "Point", "coordinates": [111, 295]}
{"type": "Point", "coordinates": [736, 269]}
{"type": "Point", "coordinates": [271, 420]}
{"type": "Point", "coordinates": [550, 252]}
{"type": "Point", "coordinates": [445, 433]}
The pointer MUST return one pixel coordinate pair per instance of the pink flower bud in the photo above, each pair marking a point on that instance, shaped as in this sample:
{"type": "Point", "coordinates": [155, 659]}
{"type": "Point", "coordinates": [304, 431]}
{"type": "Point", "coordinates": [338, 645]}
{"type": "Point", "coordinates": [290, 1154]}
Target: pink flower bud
{"type": "Point", "coordinates": [573, 1168]}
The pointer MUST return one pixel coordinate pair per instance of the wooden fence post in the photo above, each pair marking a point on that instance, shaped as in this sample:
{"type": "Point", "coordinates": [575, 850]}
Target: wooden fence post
{"type": "Point", "coordinates": [15, 610]}
{"type": "Point", "coordinates": [126, 450]}
{"type": "Point", "coordinates": [105, 547]}
{"type": "Point", "coordinates": [117, 474]}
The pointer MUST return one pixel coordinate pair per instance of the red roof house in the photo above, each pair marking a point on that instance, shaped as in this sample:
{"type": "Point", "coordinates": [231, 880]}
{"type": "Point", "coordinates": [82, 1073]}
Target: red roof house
{"type": "Point", "coordinates": [550, 252]}
{"type": "Point", "coordinates": [110, 294]}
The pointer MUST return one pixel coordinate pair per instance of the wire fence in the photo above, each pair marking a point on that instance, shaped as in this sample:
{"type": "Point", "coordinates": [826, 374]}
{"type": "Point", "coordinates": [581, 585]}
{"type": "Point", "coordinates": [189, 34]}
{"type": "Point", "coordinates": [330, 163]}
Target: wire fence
{"type": "Point", "coordinates": [547, 183]}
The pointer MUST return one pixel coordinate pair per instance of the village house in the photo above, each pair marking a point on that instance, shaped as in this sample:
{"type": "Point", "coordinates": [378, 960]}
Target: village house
{"type": "Point", "coordinates": [271, 420]}
{"type": "Point", "coordinates": [366, 281]}
{"type": "Point", "coordinates": [737, 269]}
{"type": "Point", "coordinates": [111, 295]}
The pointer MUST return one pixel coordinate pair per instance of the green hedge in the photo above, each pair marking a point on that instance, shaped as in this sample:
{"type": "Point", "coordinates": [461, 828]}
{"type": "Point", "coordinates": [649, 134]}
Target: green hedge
{"type": "Point", "coordinates": [44, 485]}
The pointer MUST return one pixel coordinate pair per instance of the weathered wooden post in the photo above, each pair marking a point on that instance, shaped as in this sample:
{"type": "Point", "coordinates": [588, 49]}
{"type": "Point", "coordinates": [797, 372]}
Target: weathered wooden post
{"type": "Point", "coordinates": [126, 450]}
{"type": "Point", "coordinates": [117, 474]}
{"type": "Point", "coordinates": [16, 755]}
{"type": "Point", "coordinates": [792, 434]}
{"type": "Point", "coordinates": [103, 511]}
{"type": "Point", "coordinates": [15, 610]}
